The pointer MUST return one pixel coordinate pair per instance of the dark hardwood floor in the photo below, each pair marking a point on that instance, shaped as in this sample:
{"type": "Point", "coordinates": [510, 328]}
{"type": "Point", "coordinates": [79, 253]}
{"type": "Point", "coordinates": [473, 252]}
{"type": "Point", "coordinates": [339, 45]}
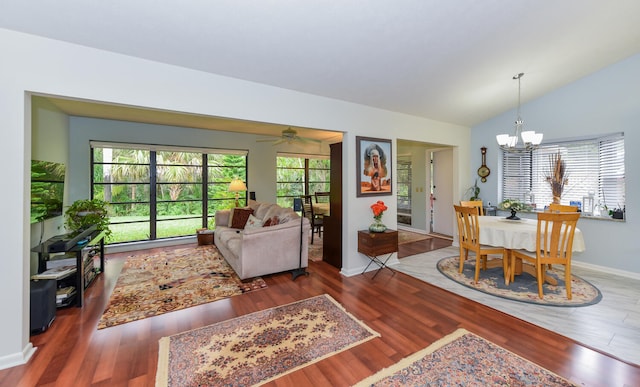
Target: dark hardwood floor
{"type": "Point", "coordinates": [408, 313]}
{"type": "Point", "coordinates": [413, 248]}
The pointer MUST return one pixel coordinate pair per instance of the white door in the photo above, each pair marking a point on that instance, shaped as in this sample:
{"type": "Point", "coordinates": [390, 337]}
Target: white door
{"type": "Point", "coordinates": [443, 192]}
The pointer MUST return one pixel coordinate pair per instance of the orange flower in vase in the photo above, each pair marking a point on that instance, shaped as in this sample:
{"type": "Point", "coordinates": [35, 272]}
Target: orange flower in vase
{"type": "Point", "coordinates": [378, 209]}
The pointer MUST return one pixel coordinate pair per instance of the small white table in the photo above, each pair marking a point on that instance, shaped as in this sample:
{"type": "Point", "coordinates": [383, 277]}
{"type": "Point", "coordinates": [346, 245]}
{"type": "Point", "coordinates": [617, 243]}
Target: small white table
{"type": "Point", "coordinates": [518, 235]}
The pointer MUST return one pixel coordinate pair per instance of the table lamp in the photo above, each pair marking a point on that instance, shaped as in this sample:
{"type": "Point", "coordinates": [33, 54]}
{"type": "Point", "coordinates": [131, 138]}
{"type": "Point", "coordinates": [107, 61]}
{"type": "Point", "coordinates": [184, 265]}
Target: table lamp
{"type": "Point", "coordinates": [237, 186]}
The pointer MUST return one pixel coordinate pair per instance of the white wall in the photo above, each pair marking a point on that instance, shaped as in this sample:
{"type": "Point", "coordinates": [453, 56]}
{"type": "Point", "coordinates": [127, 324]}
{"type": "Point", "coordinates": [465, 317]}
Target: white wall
{"type": "Point", "coordinates": [50, 140]}
{"type": "Point", "coordinates": [605, 102]}
{"type": "Point", "coordinates": [33, 64]}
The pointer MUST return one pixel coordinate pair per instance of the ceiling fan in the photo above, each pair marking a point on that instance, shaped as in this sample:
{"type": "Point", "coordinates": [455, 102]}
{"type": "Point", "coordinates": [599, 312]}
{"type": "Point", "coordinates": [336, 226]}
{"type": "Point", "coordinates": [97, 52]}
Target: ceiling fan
{"type": "Point", "coordinates": [289, 136]}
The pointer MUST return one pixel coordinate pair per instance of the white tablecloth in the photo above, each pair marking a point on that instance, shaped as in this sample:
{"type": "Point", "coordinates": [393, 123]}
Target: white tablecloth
{"type": "Point", "coordinates": [516, 234]}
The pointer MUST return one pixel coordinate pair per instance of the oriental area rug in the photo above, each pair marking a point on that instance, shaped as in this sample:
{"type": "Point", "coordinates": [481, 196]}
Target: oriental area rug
{"type": "Point", "coordinates": [464, 359]}
{"type": "Point", "coordinates": [150, 285]}
{"type": "Point", "coordinates": [524, 288]}
{"type": "Point", "coordinates": [259, 347]}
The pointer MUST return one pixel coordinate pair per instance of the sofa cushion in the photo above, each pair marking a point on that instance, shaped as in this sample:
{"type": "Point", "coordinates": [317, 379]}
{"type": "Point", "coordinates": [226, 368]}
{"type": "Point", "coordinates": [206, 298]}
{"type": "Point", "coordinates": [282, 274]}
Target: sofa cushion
{"type": "Point", "coordinates": [253, 222]}
{"type": "Point", "coordinates": [239, 217]}
{"type": "Point", "coordinates": [263, 209]}
{"type": "Point", "coordinates": [273, 211]}
{"type": "Point", "coordinates": [253, 204]}
{"type": "Point", "coordinates": [287, 215]}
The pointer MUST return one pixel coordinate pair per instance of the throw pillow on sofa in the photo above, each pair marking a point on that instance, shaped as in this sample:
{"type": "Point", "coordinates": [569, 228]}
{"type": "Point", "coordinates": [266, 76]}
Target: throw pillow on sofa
{"type": "Point", "coordinates": [253, 222]}
{"type": "Point", "coordinates": [239, 216]}
{"type": "Point", "coordinates": [273, 221]}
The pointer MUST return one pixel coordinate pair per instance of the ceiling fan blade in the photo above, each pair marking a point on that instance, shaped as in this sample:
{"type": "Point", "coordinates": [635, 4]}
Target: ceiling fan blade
{"type": "Point", "coordinates": [267, 139]}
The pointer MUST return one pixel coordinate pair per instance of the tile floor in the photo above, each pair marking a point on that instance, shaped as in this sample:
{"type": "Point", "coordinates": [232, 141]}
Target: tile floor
{"type": "Point", "coordinates": [612, 325]}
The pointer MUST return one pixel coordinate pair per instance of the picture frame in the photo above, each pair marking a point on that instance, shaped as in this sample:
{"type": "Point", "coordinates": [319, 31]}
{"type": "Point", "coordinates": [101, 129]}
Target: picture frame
{"type": "Point", "coordinates": [373, 167]}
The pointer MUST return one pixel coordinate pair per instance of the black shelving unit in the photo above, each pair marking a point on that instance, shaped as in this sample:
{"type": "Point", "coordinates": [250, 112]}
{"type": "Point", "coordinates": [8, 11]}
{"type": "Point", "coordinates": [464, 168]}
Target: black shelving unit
{"type": "Point", "coordinates": [84, 246]}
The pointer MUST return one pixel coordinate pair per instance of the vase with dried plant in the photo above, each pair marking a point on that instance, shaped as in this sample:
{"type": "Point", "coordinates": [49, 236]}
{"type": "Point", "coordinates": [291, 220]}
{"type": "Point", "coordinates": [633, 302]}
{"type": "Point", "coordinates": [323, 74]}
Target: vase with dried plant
{"type": "Point", "coordinates": [557, 176]}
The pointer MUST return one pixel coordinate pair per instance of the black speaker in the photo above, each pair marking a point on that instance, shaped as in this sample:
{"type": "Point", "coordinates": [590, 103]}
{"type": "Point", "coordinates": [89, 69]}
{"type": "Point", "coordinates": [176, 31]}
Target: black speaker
{"type": "Point", "coordinates": [43, 304]}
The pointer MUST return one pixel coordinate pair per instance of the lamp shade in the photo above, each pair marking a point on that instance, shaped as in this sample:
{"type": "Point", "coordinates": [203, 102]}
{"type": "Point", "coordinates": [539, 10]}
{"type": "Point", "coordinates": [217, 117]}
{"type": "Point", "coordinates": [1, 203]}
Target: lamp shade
{"type": "Point", "coordinates": [237, 185]}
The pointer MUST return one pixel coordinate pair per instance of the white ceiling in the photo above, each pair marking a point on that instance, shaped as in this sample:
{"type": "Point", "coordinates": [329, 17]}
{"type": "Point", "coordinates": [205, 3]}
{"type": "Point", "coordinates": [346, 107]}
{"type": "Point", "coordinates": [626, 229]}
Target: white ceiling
{"type": "Point", "coordinates": [450, 60]}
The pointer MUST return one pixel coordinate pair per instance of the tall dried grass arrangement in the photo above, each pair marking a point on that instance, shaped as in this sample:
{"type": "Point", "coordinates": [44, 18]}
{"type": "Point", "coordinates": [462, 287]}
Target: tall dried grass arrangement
{"type": "Point", "coordinates": [557, 175]}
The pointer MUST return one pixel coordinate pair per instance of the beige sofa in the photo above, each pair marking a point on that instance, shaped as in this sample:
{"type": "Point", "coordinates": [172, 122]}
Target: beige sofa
{"type": "Point", "coordinates": [254, 251]}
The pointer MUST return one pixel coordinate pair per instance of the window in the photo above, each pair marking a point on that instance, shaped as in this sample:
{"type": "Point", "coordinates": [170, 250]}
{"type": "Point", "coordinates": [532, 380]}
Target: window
{"type": "Point", "coordinates": [162, 192]}
{"type": "Point", "coordinates": [594, 166]}
{"type": "Point", "coordinates": [299, 175]}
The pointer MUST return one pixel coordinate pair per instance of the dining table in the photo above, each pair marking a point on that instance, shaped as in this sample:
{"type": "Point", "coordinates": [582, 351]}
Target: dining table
{"type": "Point", "coordinates": [518, 234]}
{"type": "Point", "coordinates": [321, 208]}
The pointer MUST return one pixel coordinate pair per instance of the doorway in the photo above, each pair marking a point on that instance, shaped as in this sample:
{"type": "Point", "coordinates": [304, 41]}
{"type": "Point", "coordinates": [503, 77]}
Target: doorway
{"type": "Point", "coordinates": [441, 201]}
{"type": "Point", "coordinates": [418, 163]}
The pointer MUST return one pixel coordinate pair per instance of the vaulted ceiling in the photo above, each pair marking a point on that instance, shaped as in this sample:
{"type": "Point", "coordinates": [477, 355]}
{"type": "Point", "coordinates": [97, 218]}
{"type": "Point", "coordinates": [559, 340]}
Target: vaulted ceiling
{"type": "Point", "coordinates": [450, 61]}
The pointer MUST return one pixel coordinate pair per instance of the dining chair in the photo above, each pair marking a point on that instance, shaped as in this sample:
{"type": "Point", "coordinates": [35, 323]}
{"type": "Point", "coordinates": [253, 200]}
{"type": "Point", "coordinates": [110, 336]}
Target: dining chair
{"type": "Point", "coordinates": [473, 203]}
{"type": "Point", "coordinates": [315, 220]}
{"type": "Point", "coordinates": [562, 208]}
{"type": "Point", "coordinates": [322, 197]}
{"type": "Point", "coordinates": [554, 245]}
{"type": "Point", "coordinates": [469, 240]}
{"type": "Point", "coordinates": [553, 207]}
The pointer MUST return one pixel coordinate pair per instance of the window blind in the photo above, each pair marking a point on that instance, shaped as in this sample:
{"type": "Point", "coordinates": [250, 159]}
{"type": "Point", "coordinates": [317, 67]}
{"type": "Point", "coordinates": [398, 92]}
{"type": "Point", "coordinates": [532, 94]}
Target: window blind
{"type": "Point", "coordinates": [594, 166]}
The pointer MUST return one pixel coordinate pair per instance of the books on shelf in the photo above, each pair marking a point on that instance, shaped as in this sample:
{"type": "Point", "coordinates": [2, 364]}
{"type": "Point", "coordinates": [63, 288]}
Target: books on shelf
{"type": "Point", "coordinates": [55, 273]}
{"type": "Point", "coordinates": [63, 295]}
{"type": "Point", "coordinates": [66, 292]}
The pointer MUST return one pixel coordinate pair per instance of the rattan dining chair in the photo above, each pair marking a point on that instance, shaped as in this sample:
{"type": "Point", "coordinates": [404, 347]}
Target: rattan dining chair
{"type": "Point", "coordinates": [473, 203]}
{"type": "Point", "coordinates": [553, 207]}
{"type": "Point", "coordinates": [554, 245]}
{"type": "Point", "coordinates": [469, 240]}
{"type": "Point", "coordinates": [322, 197]}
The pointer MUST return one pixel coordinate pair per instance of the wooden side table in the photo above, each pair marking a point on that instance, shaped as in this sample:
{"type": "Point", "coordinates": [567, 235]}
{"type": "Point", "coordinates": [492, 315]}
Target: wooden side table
{"type": "Point", "coordinates": [376, 244]}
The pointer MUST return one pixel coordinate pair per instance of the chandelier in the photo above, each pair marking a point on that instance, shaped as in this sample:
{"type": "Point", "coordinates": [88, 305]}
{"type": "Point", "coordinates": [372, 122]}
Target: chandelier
{"type": "Point", "coordinates": [530, 139]}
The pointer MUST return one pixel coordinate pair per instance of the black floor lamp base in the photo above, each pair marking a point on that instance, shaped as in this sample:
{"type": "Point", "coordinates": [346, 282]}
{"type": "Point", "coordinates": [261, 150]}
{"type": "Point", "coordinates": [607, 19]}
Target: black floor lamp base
{"type": "Point", "coordinates": [295, 273]}
{"type": "Point", "coordinates": [297, 206]}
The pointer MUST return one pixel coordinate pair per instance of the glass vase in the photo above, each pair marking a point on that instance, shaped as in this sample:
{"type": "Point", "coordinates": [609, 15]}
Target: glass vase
{"type": "Point", "coordinates": [377, 226]}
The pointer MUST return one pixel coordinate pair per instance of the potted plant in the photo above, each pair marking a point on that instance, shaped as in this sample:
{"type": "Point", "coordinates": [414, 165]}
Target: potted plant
{"type": "Point", "coordinates": [473, 191]}
{"type": "Point", "coordinates": [617, 213]}
{"type": "Point", "coordinates": [514, 206]}
{"type": "Point", "coordinates": [85, 213]}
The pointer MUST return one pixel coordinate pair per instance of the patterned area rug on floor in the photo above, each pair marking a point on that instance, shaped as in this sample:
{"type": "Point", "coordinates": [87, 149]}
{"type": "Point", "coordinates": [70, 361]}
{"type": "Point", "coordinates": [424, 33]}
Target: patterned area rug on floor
{"type": "Point", "coordinates": [261, 346]}
{"type": "Point", "coordinates": [315, 249]}
{"type": "Point", "coordinates": [150, 285]}
{"type": "Point", "coordinates": [464, 359]}
{"type": "Point", "coordinates": [525, 286]}
{"type": "Point", "coordinates": [408, 237]}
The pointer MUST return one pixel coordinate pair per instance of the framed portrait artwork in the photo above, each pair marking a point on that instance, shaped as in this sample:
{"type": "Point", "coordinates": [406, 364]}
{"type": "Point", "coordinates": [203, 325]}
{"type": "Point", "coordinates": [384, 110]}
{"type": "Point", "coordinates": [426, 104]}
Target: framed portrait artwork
{"type": "Point", "coordinates": [373, 166]}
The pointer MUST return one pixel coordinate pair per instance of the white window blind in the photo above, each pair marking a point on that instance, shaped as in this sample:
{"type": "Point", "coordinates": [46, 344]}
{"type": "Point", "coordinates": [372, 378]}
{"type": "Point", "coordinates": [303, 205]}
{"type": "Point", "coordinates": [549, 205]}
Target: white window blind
{"type": "Point", "coordinates": [594, 166]}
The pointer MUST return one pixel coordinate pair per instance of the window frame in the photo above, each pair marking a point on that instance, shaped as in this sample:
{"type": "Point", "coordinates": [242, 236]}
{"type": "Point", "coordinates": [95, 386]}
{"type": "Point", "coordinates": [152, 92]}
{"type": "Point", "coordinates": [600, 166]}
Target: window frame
{"type": "Point", "coordinates": [206, 204]}
{"type": "Point", "coordinates": [306, 184]}
{"type": "Point", "coordinates": [525, 171]}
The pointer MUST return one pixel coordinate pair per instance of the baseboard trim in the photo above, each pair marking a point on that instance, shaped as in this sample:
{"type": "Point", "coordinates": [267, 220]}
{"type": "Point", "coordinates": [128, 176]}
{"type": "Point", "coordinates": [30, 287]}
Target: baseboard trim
{"type": "Point", "coordinates": [18, 358]}
{"type": "Point", "coordinates": [358, 270]}
{"type": "Point", "coordinates": [604, 269]}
